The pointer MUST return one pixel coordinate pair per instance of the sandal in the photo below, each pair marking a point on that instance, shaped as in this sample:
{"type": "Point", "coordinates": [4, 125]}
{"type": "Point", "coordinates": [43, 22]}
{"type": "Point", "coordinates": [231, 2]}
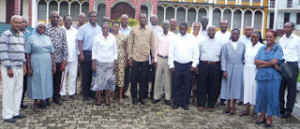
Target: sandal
{"type": "Point", "coordinates": [232, 112]}
{"type": "Point", "coordinates": [244, 113]}
{"type": "Point", "coordinates": [253, 116]}
{"type": "Point", "coordinates": [36, 108]}
{"type": "Point", "coordinates": [227, 110]}
{"type": "Point", "coordinates": [97, 104]}
{"type": "Point", "coordinates": [121, 101]}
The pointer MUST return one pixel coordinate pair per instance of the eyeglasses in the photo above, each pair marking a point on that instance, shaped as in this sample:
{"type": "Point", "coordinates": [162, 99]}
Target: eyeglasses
{"type": "Point", "coordinates": [43, 28]}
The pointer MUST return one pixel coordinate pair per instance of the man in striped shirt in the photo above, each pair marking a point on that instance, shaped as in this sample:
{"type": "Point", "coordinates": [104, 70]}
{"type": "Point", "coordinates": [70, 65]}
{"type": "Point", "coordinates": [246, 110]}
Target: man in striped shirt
{"type": "Point", "coordinates": [13, 69]}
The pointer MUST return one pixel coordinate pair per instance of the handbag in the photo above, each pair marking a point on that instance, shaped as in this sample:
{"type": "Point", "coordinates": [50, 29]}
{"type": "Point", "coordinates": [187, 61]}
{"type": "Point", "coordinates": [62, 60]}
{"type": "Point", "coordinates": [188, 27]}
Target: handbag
{"type": "Point", "coordinates": [284, 69]}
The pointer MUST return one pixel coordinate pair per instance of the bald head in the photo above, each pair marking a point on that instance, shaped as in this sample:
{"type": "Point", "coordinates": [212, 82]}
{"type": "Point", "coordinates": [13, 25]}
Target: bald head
{"type": "Point", "coordinates": [211, 31]}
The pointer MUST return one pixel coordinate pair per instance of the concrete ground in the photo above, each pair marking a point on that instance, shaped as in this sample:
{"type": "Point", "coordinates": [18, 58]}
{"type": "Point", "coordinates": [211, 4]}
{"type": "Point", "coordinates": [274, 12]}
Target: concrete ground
{"type": "Point", "coordinates": [78, 114]}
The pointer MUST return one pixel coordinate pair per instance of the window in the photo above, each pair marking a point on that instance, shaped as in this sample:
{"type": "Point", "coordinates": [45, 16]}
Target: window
{"type": "Point", "coordinates": [52, 6]}
{"type": "Point", "coordinates": [237, 18]}
{"type": "Point", "coordinates": [245, 0]}
{"type": "Point", "coordinates": [201, 14]}
{"type": "Point", "coordinates": [216, 17]}
{"type": "Point", "coordinates": [298, 18]}
{"type": "Point", "coordinates": [256, 1]}
{"type": "Point", "coordinates": [74, 10]}
{"type": "Point", "coordinates": [170, 13]}
{"type": "Point", "coordinates": [100, 13]}
{"type": "Point", "coordinates": [180, 15]}
{"type": "Point", "coordinates": [227, 16]}
{"type": "Point", "coordinates": [160, 15]}
{"type": "Point", "coordinates": [85, 8]}
{"type": "Point", "coordinates": [191, 16]}
{"type": "Point", "coordinates": [257, 20]}
{"type": "Point", "coordinates": [64, 9]}
{"type": "Point", "coordinates": [247, 18]}
{"type": "Point", "coordinates": [42, 10]}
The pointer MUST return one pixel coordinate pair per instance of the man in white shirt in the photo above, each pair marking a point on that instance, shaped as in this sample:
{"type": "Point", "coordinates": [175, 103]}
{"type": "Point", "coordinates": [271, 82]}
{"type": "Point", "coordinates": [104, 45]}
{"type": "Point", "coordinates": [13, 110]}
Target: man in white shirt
{"type": "Point", "coordinates": [72, 66]}
{"type": "Point", "coordinates": [246, 38]}
{"type": "Point", "coordinates": [173, 25]}
{"type": "Point", "coordinates": [162, 43]}
{"type": "Point", "coordinates": [290, 44]}
{"type": "Point", "coordinates": [209, 79]}
{"type": "Point", "coordinates": [223, 34]}
{"type": "Point", "coordinates": [156, 29]}
{"type": "Point", "coordinates": [125, 30]}
{"type": "Point", "coordinates": [183, 60]}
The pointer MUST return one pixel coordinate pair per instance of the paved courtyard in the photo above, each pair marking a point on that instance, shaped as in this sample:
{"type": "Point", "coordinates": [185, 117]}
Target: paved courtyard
{"type": "Point", "coordinates": [79, 114]}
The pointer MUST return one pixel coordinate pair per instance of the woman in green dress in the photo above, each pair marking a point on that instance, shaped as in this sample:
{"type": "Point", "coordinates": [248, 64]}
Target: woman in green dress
{"type": "Point", "coordinates": [122, 63]}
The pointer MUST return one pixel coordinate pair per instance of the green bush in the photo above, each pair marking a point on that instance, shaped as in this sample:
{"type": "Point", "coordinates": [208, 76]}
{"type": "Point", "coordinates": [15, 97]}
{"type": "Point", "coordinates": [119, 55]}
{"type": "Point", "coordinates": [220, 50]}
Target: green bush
{"type": "Point", "coordinates": [131, 22]}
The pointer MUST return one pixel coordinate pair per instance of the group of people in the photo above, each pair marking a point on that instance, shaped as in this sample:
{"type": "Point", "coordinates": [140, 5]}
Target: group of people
{"type": "Point", "coordinates": [219, 64]}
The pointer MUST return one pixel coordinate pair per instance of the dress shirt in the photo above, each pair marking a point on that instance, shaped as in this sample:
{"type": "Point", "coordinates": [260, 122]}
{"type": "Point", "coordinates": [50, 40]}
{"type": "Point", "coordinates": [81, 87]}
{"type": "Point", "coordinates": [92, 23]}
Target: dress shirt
{"type": "Point", "coordinates": [72, 44]}
{"type": "Point", "coordinates": [291, 48]}
{"type": "Point", "coordinates": [156, 29]}
{"type": "Point", "coordinates": [183, 49]}
{"type": "Point", "coordinates": [86, 34]}
{"type": "Point", "coordinates": [246, 40]}
{"type": "Point", "coordinates": [140, 43]}
{"type": "Point", "coordinates": [224, 37]}
{"type": "Point", "coordinates": [210, 50]}
{"type": "Point", "coordinates": [59, 40]}
{"type": "Point", "coordinates": [12, 49]}
{"type": "Point", "coordinates": [126, 31]}
{"type": "Point", "coordinates": [105, 50]}
{"type": "Point", "coordinates": [199, 38]}
{"type": "Point", "coordinates": [251, 52]}
{"type": "Point", "coordinates": [162, 43]}
{"type": "Point", "coordinates": [234, 44]}
{"type": "Point", "coordinates": [203, 32]}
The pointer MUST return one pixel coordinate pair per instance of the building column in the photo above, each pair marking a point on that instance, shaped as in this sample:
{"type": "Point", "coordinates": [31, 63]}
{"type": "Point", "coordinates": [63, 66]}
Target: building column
{"type": "Point", "coordinates": [275, 15]}
{"type": "Point", "coordinates": [69, 9]}
{"type": "Point", "coordinates": [47, 15]}
{"type": "Point", "coordinates": [30, 12]}
{"type": "Point", "coordinates": [16, 7]}
{"type": "Point", "coordinates": [186, 15]}
{"type": "Point", "coordinates": [232, 16]}
{"type": "Point", "coordinates": [210, 15]}
{"type": "Point", "coordinates": [252, 19]}
{"type": "Point", "coordinates": [165, 9]}
{"type": "Point", "coordinates": [242, 20]}
{"type": "Point", "coordinates": [222, 14]}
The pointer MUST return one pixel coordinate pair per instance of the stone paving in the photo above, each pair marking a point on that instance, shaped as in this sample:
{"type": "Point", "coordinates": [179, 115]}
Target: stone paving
{"type": "Point", "coordinates": [78, 114]}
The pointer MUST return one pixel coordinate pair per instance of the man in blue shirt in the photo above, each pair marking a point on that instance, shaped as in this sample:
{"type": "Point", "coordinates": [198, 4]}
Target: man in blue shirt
{"type": "Point", "coordinates": [86, 35]}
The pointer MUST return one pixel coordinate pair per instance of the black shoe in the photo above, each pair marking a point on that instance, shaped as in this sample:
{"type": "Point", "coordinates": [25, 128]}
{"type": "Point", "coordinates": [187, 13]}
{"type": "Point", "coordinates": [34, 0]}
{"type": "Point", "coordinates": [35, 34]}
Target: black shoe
{"type": "Point", "coordinates": [286, 115]}
{"type": "Point", "coordinates": [222, 103]}
{"type": "Point", "coordinates": [143, 102]}
{"type": "Point", "coordinates": [260, 122]}
{"type": "Point", "coordinates": [185, 107]}
{"type": "Point", "coordinates": [240, 103]}
{"type": "Point", "coordinates": [20, 116]}
{"type": "Point", "coordinates": [268, 125]}
{"type": "Point", "coordinates": [58, 102]}
{"type": "Point", "coordinates": [175, 106]}
{"type": "Point", "coordinates": [155, 101]}
{"type": "Point", "coordinates": [23, 105]}
{"type": "Point", "coordinates": [134, 101]}
{"type": "Point", "coordinates": [168, 102]}
{"type": "Point", "coordinates": [47, 102]}
{"type": "Point", "coordinates": [85, 98]}
{"type": "Point", "coordinates": [11, 120]}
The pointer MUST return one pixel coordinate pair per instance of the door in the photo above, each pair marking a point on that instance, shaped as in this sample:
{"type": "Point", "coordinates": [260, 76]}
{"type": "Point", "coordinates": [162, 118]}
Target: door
{"type": "Point", "coordinates": [271, 23]}
{"type": "Point", "coordinates": [120, 9]}
{"type": "Point", "coordinates": [9, 10]}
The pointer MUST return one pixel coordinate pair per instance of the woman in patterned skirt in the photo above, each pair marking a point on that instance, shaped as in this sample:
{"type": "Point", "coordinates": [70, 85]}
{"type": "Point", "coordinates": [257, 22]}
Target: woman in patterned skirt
{"type": "Point", "coordinates": [120, 72]}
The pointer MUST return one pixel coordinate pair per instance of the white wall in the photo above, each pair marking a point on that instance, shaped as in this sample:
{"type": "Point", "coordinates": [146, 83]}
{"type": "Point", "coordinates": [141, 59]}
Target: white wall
{"type": "Point", "coordinates": [3, 10]}
{"type": "Point", "coordinates": [26, 8]}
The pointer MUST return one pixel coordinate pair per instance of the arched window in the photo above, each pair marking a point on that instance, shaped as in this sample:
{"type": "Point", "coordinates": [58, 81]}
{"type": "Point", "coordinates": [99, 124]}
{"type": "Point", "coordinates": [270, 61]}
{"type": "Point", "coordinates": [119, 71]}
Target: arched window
{"type": "Point", "coordinates": [64, 9]}
{"type": "Point", "coordinates": [100, 13]}
{"type": "Point", "coordinates": [75, 10]}
{"type": "Point", "coordinates": [85, 8]}
{"type": "Point", "coordinates": [191, 16]}
{"type": "Point", "coordinates": [201, 13]}
{"type": "Point", "coordinates": [170, 13]}
{"type": "Point", "coordinates": [160, 15]}
{"type": "Point", "coordinates": [53, 6]}
{"type": "Point", "coordinates": [180, 15]}
{"type": "Point", "coordinates": [237, 18]}
{"type": "Point", "coordinates": [257, 20]}
{"type": "Point", "coordinates": [247, 18]}
{"type": "Point", "coordinates": [227, 16]}
{"type": "Point", "coordinates": [42, 10]}
{"type": "Point", "coordinates": [144, 10]}
{"type": "Point", "coordinates": [216, 17]}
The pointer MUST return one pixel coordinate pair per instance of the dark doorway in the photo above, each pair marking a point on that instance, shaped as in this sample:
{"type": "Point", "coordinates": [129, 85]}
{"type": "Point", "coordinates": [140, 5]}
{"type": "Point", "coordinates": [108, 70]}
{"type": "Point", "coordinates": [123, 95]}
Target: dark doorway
{"type": "Point", "coordinates": [120, 9]}
{"type": "Point", "coordinates": [286, 18]}
{"type": "Point", "coordinates": [9, 10]}
{"type": "Point", "coordinates": [271, 23]}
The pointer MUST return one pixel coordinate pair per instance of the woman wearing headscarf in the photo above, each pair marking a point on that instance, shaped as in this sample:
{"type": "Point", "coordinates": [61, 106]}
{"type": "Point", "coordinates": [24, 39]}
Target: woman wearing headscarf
{"type": "Point", "coordinates": [104, 63]}
{"type": "Point", "coordinates": [232, 58]}
{"type": "Point", "coordinates": [268, 80]}
{"type": "Point", "coordinates": [41, 66]}
{"type": "Point", "coordinates": [250, 73]}
{"type": "Point", "coordinates": [122, 62]}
